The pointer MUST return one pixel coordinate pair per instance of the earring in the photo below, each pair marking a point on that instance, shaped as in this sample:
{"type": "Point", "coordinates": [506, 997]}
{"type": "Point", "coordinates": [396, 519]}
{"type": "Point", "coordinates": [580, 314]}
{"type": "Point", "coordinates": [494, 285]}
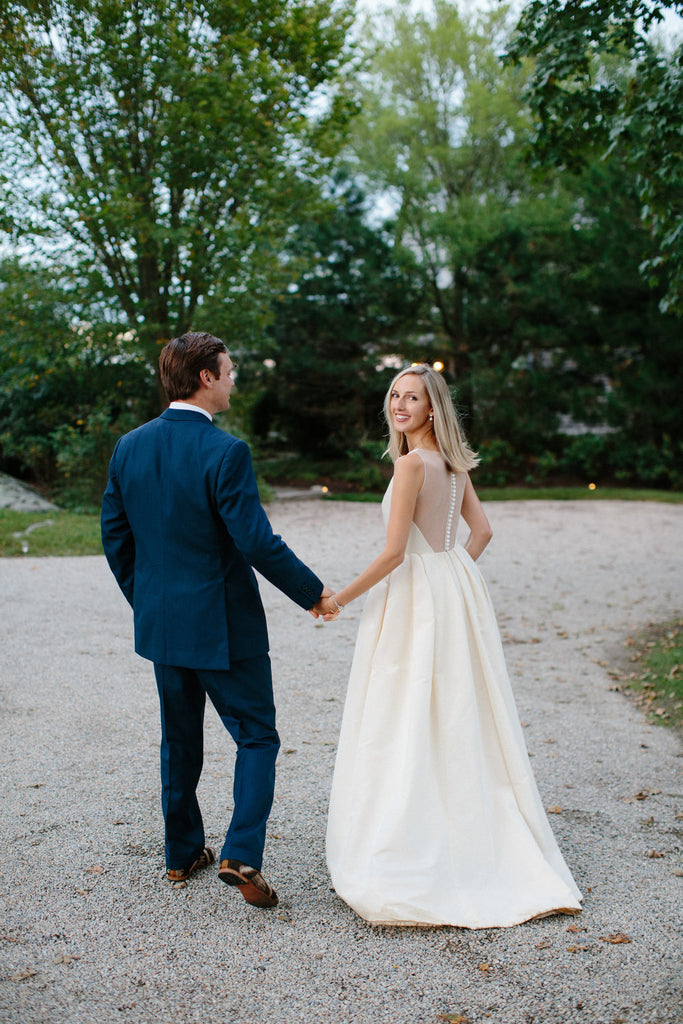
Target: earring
{"type": "Point", "coordinates": [431, 417]}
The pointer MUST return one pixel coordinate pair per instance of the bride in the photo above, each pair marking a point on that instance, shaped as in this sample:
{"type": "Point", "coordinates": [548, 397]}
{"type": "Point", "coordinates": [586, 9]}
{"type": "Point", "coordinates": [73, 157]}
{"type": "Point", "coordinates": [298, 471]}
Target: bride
{"type": "Point", "coordinates": [434, 816]}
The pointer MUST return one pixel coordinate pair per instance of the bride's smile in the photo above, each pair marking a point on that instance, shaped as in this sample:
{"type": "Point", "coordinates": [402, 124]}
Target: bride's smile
{"type": "Point", "coordinates": [409, 404]}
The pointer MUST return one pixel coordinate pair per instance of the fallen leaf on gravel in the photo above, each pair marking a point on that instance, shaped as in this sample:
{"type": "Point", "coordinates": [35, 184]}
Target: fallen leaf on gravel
{"type": "Point", "coordinates": [543, 945]}
{"type": "Point", "coordinates": [615, 939]}
{"type": "Point", "coordinates": [645, 793]}
{"type": "Point", "coordinates": [453, 1018]}
{"type": "Point", "coordinates": [575, 928]}
{"type": "Point", "coordinates": [554, 810]}
{"type": "Point", "coordinates": [23, 975]}
{"type": "Point", "coordinates": [96, 869]}
{"type": "Point", "coordinates": [484, 968]}
{"type": "Point", "coordinates": [66, 958]}
{"type": "Point", "coordinates": [577, 949]}
{"type": "Point", "coordinates": [655, 854]}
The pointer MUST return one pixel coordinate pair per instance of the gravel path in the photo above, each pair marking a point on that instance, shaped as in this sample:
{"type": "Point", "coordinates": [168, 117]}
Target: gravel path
{"type": "Point", "coordinates": [92, 932]}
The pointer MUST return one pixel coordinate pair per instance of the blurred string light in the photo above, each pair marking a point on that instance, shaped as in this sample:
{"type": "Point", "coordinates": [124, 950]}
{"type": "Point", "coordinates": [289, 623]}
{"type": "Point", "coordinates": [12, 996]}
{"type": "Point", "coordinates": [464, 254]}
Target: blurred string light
{"type": "Point", "coordinates": [591, 487]}
{"type": "Point", "coordinates": [438, 365]}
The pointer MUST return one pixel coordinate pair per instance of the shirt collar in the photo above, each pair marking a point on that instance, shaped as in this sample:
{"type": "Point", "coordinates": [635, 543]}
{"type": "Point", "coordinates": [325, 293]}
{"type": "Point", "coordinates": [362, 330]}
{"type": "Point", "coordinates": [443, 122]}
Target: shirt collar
{"type": "Point", "coordinates": [192, 408]}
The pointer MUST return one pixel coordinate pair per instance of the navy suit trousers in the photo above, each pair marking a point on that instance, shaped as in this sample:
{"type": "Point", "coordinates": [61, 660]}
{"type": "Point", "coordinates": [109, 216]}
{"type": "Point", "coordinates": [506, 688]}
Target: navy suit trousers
{"type": "Point", "coordinates": [243, 698]}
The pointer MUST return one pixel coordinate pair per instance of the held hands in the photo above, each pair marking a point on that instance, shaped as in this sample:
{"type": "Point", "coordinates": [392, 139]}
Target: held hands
{"type": "Point", "coordinates": [327, 608]}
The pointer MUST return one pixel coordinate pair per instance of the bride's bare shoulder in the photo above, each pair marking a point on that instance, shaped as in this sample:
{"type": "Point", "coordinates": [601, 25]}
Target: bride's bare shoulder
{"type": "Point", "coordinates": [410, 464]}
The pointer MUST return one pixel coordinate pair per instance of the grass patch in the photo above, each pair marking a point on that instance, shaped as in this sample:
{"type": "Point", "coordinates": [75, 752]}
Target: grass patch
{"type": "Point", "coordinates": [48, 533]}
{"type": "Point", "coordinates": [577, 494]}
{"type": "Point", "coordinates": [543, 494]}
{"type": "Point", "coordinates": [656, 675]}
{"type": "Point", "coordinates": [368, 496]}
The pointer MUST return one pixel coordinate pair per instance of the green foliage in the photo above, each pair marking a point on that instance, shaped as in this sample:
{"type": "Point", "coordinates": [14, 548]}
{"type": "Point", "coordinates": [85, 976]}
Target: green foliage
{"type": "Point", "coordinates": [361, 471]}
{"type": "Point", "coordinates": [322, 388]}
{"type": "Point", "coordinates": [538, 306]}
{"type": "Point", "coordinates": [83, 451]}
{"type": "Point", "coordinates": [599, 85]}
{"type": "Point", "coordinates": [365, 471]}
{"type": "Point", "coordinates": [64, 387]}
{"type": "Point", "coordinates": [192, 182]}
{"type": "Point", "coordinates": [441, 131]}
{"type": "Point", "coordinates": [176, 137]}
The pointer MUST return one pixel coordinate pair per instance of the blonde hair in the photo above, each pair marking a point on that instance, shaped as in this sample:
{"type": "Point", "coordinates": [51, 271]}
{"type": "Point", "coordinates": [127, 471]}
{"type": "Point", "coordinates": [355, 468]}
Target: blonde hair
{"type": "Point", "coordinates": [450, 440]}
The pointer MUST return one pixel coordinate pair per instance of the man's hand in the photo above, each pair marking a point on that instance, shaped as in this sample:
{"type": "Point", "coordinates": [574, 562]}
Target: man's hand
{"type": "Point", "coordinates": [326, 606]}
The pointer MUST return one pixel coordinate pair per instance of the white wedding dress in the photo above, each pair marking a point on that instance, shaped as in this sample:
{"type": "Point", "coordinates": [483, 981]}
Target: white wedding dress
{"type": "Point", "coordinates": [435, 818]}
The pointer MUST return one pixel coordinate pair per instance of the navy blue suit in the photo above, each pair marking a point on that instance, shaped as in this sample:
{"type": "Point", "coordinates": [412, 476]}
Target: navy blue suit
{"type": "Point", "coordinates": [182, 526]}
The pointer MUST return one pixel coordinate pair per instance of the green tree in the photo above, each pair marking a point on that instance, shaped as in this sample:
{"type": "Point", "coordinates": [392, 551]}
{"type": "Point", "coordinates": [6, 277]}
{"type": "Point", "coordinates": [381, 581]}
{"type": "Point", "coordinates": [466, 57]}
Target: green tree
{"type": "Point", "coordinates": [532, 275]}
{"type": "Point", "coordinates": [67, 387]}
{"type": "Point", "coordinates": [600, 84]}
{"type": "Point", "coordinates": [160, 143]}
{"type": "Point", "coordinates": [442, 135]}
{"type": "Point", "coordinates": [578, 370]}
{"type": "Point", "coordinates": [346, 310]}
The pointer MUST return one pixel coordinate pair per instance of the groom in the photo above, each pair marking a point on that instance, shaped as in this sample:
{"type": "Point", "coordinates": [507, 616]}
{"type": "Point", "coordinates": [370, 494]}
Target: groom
{"type": "Point", "coordinates": [182, 526]}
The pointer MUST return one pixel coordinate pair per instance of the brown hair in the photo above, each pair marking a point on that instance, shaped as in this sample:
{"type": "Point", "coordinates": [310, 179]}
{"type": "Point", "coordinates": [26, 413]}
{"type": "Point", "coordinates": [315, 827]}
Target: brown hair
{"type": "Point", "coordinates": [182, 360]}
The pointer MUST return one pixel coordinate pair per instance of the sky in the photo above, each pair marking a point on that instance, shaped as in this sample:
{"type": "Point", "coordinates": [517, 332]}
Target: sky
{"type": "Point", "coordinates": [671, 28]}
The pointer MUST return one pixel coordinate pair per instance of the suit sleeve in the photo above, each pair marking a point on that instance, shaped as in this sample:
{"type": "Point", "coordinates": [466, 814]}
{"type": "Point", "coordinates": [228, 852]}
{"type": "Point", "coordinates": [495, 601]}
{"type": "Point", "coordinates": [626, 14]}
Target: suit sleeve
{"type": "Point", "coordinates": [117, 536]}
{"type": "Point", "coordinates": [240, 508]}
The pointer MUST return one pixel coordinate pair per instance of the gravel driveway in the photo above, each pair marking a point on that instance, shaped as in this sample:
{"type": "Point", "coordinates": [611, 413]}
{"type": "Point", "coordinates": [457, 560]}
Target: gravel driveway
{"type": "Point", "coordinates": [91, 930]}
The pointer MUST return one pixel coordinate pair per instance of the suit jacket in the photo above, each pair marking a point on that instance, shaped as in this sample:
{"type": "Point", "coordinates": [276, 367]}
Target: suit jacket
{"type": "Point", "coordinates": [182, 525]}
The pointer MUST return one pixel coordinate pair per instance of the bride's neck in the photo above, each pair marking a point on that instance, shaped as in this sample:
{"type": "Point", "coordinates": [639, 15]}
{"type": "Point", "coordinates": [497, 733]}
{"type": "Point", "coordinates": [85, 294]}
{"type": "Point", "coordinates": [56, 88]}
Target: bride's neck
{"type": "Point", "coordinates": [427, 442]}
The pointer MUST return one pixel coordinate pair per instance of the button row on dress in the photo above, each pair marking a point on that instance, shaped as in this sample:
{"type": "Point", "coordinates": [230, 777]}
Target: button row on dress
{"type": "Point", "coordinates": [451, 510]}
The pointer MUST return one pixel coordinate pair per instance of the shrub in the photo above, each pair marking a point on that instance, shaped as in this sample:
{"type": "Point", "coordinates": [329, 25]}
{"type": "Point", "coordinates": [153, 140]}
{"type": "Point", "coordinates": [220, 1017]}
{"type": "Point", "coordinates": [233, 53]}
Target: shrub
{"type": "Point", "coordinates": [83, 451]}
{"type": "Point", "coordinates": [499, 465]}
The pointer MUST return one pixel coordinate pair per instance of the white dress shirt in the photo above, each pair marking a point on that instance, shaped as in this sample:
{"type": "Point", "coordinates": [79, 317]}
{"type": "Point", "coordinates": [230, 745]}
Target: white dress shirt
{"type": "Point", "coordinates": [193, 408]}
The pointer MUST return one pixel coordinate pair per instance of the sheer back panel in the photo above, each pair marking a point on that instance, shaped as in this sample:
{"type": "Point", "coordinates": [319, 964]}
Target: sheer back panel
{"type": "Point", "coordinates": [439, 502]}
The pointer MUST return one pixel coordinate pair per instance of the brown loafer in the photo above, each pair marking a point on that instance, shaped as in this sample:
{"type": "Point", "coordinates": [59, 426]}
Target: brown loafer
{"type": "Point", "coordinates": [251, 882]}
{"type": "Point", "coordinates": [206, 857]}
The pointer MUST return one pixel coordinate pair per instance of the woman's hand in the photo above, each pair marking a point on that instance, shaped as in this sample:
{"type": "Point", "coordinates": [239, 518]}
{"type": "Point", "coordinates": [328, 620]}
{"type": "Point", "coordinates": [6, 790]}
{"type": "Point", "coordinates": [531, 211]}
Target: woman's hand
{"type": "Point", "coordinates": [329, 608]}
{"type": "Point", "coordinates": [475, 517]}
